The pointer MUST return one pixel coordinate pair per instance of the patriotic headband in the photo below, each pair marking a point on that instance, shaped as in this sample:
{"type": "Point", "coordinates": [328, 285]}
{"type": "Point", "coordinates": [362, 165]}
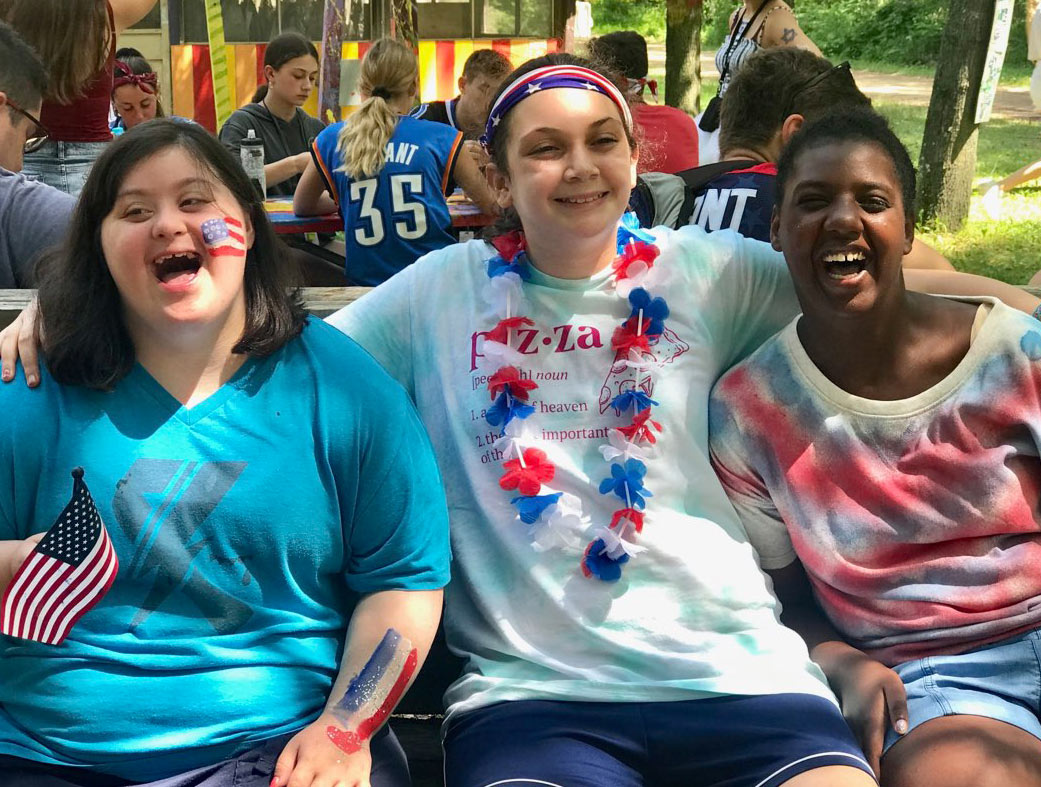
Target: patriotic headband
{"type": "Point", "coordinates": [550, 77]}
{"type": "Point", "coordinates": [124, 76]}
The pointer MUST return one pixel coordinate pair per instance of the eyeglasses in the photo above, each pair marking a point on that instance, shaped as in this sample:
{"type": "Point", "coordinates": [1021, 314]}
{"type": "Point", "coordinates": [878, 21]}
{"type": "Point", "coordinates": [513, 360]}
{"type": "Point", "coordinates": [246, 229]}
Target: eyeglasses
{"type": "Point", "coordinates": [842, 68]}
{"type": "Point", "coordinates": [39, 132]}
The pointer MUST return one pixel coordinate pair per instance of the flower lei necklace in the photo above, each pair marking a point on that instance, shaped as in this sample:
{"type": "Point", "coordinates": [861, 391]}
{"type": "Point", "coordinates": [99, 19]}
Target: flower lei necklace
{"type": "Point", "coordinates": [526, 469]}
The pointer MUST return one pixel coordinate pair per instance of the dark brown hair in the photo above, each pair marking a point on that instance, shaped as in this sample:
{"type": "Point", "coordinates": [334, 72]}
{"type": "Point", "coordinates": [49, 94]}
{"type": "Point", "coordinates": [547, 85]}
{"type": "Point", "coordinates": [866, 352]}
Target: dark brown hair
{"type": "Point", "coordinates": [82, 329]}
{"type": "Point", "coordinates": [72, 37]}
{"type": "Point", "coordinates": [487, 63]}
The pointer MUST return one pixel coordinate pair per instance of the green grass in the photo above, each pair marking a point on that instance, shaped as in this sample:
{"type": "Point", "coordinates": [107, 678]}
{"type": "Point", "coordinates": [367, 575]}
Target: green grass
{"type": "Point", "coordinates": [1006, 248]}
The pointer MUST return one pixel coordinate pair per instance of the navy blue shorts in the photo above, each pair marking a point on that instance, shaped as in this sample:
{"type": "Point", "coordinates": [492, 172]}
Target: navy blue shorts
{"type": "Point", "coordinates": [731, 741]}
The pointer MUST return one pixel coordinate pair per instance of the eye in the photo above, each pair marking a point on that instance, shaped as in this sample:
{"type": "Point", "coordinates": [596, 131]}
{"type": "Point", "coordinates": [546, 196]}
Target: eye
{"type": "Point", "coordinates": [136, 213]}
{"type": "Point", "coordinates": [875, 204]}
{"type": "Point", "coordinates": [607, 139]}
{"type": "Point", "coordinates": [543, 150]}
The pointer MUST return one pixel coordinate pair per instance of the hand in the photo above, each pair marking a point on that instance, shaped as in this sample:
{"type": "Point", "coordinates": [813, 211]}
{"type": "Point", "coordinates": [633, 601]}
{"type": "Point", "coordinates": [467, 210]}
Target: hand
{"type": "Point", "coordinates": [869, 692]}
{"type": "Point", "coordinates": [18, 342]}
{"type": "Point", "coordinates": [311, 759]}
{"type": "Point", "coordinates": [477, 153]}
{"type": "Point", "coordinates": [21, 551]}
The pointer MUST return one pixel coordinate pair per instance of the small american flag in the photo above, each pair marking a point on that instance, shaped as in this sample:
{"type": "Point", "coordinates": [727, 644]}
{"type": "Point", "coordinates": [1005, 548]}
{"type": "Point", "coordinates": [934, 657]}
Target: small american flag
{"type": "Point", "coordinates": [223, 237]}
{"type": "Point", "coordinates": [71, 568]}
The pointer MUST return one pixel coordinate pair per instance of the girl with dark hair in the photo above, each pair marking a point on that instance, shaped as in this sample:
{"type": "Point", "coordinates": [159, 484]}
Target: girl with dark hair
{"type": "Point", "coordinates": [135, 92]}
{"type": "Point", "coordinates": [388, 174]}
{"type": "Point", "coordinates": [76, 39]}
{"type": "Point", "coordinates": [278, 527]}
{"type": "Point", "coordinates": [885, 445]}
{"type": "Point", "coordinates": [617, 628]}
{"type": "Point", "coordinates": [275, 114]}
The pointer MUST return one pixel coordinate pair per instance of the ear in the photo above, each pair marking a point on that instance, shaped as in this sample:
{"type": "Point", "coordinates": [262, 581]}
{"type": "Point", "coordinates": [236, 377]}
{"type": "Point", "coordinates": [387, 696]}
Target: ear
{"type": "Point", "coordinates": [790, 126]}
{"type": "Point", "coordinates": [499, 183]}
{"type": "Point", "coordinates": [3, 99]}
{"type": "Point", "coordinates": [775, 229]}
{"type": "Point", "coordinates": [269, 73]}
{"type": "Point", "coordinates": [908, 235]}
{"type": "Point", "coordinates": [250, 234]}
{"type": "Point", "coordinates": [461, 84]}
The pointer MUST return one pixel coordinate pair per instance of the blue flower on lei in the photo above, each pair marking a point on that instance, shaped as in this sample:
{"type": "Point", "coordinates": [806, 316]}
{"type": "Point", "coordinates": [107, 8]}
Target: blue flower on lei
{"type": "Point", "coordinates": [529, 509]}
{"type": "Point", "coordinates": [631, 397]}
{"type": "Point", "coordinates": [629, 230]}
{"type": "Point", "coordinates": [627, 483]}
{"type": "Point", "coordinates": [497, 266]}
{"type": "Point", "coordinates": [505, 408]}
{"type": "Point", "coordinates": [596, 563]}
{"type": "Point", "coordinates": [654, 309]}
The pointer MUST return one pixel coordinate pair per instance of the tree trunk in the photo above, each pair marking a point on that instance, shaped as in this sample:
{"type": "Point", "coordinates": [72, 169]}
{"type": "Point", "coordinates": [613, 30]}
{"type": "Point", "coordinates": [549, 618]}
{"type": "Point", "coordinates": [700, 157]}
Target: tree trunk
{"type": "Point", "coordinates": [683, 54]}
{"type": "Point", "coordinates": [333, 24]}
{"type": "Point", "coordinates": [948, 160]}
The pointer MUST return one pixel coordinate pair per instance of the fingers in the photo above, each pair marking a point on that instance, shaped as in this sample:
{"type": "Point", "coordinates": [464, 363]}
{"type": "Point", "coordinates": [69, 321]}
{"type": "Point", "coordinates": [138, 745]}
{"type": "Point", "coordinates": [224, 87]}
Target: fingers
{"type": "Point", "coordinates": [27, 349]}
{"type": "Point", "coordinates": [284, 764]}
{"type": "Point", "coordinates": [9, 349]}
{"type": "Point", "coordinates": [896, 702]}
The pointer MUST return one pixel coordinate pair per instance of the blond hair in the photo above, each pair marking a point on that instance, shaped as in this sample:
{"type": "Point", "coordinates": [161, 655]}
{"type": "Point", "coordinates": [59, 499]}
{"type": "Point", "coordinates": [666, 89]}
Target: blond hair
{"type": "Point", "coordinates": [72, 38]}
{"type": "Point", "coordinates": [391, 69]}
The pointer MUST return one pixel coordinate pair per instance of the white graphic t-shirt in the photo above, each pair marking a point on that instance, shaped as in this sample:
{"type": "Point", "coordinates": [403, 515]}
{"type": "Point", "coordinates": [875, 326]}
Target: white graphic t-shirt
{"type": "Point", "coordinates": [692, 615]}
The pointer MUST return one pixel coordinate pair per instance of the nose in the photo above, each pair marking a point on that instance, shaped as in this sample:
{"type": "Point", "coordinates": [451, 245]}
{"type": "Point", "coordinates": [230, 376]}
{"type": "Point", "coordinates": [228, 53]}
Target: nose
{"type": "Point", "coordinates": [844, 216]}
{"type": "Point", "coordinates": [168, 222]}
{"type": "Point", "coordinates": [580, 164]}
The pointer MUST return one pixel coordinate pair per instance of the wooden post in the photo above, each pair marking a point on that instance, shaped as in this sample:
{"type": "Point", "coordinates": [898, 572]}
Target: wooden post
{"type": "Point", "coordinates": [948, 160]}
{"type": "Point", "coordinates": [329, 76]}
{"type": "Point", "coordinates": [683, 54]}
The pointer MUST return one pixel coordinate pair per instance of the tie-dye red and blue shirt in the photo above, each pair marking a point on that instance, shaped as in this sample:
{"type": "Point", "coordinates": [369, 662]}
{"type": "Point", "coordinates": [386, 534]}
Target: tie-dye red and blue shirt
{"type": "Point", "coordinates": [917, 519]}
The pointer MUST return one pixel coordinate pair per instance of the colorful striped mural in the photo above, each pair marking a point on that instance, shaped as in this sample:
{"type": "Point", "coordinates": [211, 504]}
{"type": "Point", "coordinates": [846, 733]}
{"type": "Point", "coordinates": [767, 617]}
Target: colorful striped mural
{"type": "Point", "coordinates": [440, 66]}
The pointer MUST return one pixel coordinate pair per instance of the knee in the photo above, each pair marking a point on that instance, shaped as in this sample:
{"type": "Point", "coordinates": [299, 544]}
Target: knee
{"type": "Point", "coordinates": [969, 757]}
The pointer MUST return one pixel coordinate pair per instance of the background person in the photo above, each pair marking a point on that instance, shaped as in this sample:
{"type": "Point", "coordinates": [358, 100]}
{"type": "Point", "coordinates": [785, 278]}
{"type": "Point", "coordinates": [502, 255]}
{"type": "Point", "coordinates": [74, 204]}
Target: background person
{"type": "Point", "coordinates": [275, 114]}
{"type": "Point", "coordinates": [76, 39]}
{"type": "Point", "coordinates": [388, 174]}
{"type": "Point", "coordinates": [135, 92]}
{"type": "Point", "coordinates": [886, 440]}
{"type": "Point", "coordinates": [302, 527]}
{"type": "Point", "coordinates": [483, 72]}
{"type": "Point", "coordinates": [669, 137]}
{"type": "Point", "coordinates": [33, 215]}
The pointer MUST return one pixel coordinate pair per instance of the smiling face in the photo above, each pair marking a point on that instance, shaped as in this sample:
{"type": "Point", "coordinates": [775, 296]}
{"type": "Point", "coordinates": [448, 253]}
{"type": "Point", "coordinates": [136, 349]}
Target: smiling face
{"type": "Point", "coordinates": [294, 81]}
{"type": "Point", "coordinates": [475, 97]}
{"type": "Point", "coordinates": [570, 167]}
{"type": "Point", "coordinates": [133, 104]}
{"type": "Point", "coordinates": [175, 245]}
{"type": "Point", "coordinates": [842, 228]}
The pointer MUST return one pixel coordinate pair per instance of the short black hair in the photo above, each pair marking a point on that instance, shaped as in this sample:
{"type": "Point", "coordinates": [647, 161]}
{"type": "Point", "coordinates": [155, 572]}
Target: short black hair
{"type": "Point", "coordinates": [127, 51]}
{"type": "Point", "coordinates": [83, 332]}
{"type": "Point", "coordinates": [775, 83]}
{"type": "Point", "coordinates": [857, 125]}
{"type": "Point", "coordinates": [487, 63]}
{"type": "Point", "coordinates": [22, 74]}
{"type": "Point", "coordinates": [624, 51]}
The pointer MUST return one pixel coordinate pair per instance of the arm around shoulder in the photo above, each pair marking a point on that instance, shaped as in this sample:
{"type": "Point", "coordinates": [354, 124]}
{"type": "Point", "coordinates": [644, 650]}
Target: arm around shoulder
{"type": "Point", "coordinates": [127, 13]}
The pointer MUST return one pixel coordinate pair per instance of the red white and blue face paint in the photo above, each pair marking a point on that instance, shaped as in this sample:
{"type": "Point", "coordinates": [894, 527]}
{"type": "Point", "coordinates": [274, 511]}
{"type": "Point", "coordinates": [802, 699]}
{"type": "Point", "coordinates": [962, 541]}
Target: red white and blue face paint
{"type": "Point", "coordinates": [223, 237]}
{"type": "Point", "coordinates": [373, 692]}
{"type": "Point", "coordinates": [547, 78]}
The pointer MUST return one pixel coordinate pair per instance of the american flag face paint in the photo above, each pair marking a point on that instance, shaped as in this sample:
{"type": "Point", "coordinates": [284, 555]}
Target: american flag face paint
{"type": "Point", "coordinates": [224, 237]}
{"type": "Point", "coordinates": [373, 692]}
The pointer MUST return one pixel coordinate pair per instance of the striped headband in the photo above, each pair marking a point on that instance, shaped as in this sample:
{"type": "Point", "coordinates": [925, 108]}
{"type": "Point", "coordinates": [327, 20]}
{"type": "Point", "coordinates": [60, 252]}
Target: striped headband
{"type": "Point", "coordinates": [549, 77]}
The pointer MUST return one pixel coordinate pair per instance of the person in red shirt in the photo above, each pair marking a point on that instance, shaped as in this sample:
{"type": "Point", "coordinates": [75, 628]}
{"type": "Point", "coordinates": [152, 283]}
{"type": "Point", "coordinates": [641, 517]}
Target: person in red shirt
{"type": "Point", "coordinates": [669, 138]}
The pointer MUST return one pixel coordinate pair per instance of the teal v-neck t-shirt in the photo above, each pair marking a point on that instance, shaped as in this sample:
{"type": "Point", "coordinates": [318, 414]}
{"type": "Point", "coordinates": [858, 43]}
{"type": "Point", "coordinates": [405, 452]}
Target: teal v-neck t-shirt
{"type": "Point", "coordinates": [245, 527]}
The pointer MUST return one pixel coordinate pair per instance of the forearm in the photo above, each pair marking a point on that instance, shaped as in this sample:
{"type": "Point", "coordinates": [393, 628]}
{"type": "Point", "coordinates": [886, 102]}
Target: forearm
{"type": "Point", "coordinates": [387, 642]}
{"type": "Point", "coordinates": [958, 283]}
{"type": "Point", "coordinates": [278, 171]}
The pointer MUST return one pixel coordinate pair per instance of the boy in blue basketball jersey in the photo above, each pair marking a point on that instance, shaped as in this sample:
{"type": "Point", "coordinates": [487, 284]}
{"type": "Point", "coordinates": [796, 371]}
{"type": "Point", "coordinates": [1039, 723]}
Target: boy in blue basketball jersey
{"type": "Point", "coordinates": [389, 174]}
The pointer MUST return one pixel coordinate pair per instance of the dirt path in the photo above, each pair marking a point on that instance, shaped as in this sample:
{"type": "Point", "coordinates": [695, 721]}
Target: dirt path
{"type": "Point", "coordinates": [914, 90]}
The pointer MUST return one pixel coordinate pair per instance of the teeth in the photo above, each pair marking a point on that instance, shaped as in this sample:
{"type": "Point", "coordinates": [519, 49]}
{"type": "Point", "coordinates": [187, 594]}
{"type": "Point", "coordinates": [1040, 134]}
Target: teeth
{"type": "Point", "coordinates": [581, 200]}
{"type": "Point", "coordinates": [848, 256]}
{"type": "Point", "coordinates": [167, 257]}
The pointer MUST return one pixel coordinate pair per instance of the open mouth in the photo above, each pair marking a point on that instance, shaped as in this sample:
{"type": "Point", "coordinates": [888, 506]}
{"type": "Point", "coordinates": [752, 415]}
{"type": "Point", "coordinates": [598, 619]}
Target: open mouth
{"type": "Point", "coordinates": [584, 199]}
{"type": "Point", "coordinates": [844, 265]}
{"type": "Point", "coordinates": [177, 270]}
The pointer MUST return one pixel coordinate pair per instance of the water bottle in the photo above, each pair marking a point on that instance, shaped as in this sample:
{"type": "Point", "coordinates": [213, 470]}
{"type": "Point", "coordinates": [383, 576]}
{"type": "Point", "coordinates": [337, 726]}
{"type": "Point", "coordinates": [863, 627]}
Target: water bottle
{"type": "Point", "coordinates": [252, 152]}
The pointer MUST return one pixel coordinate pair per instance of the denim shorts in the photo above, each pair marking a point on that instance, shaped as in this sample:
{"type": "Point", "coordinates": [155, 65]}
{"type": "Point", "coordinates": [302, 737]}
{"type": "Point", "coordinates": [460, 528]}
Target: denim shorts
{"type": "Point", "coordinates": [63, 165]}
{"type": "Point", "coordinates": [999, 681]}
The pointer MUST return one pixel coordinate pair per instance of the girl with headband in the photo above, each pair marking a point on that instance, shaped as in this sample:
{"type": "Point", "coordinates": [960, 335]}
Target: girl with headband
{"type": "Point", "coordinates": [388, 174]}
{"type": "Point", "coordinates": [135, 93]}
{"type": "Point", "coordinates": [617, 628]}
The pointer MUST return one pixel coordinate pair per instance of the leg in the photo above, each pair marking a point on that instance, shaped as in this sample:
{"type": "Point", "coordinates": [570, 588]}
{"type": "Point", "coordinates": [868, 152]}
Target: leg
{"type": "Point", "coordinates": [964, 751]}
{"type": "Point", "coordinates": [16, 772]}
{"type": "Point", "coordinates": [544, 744]}
{"type": "Point", "coordinates": [832, 776]}
{"type": "Point", "coordinates": [1023, 175]}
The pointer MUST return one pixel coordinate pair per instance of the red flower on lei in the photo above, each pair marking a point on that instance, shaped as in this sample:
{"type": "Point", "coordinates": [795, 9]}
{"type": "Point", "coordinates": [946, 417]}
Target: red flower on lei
{"type": "Point", "coordinates": [510, 244]}
{"type": "Point", "coordinates": [625, 338]}
{"type": "Point", "coordinates": [642, 428]}
{"type": "Point", "coordinates": [509, 378]}
{"type": "Point", "coordinates": [634, 516]}
{"type": "Point", "coordinates": [634, 252]}
{"type": "Point", "coordinates": [537, 470]}
{"type": "Point", "coordinates": [500, 333]}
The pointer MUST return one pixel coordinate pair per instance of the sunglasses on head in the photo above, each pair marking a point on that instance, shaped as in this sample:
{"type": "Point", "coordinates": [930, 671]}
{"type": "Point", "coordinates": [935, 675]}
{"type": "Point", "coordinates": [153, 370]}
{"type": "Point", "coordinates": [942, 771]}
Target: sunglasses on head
{"type": "Point", "coordinates": [37, 135]}
{"type": "Point", "coordinates": [842, 68]}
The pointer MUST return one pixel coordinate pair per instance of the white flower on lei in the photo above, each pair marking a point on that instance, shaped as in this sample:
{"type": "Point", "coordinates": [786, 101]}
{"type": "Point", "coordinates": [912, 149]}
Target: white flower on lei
{"type": "Point", "coordinates": [619, 446]}
{"type": "Point", "coordinates": [640, 275]}
{"type": "Point", "coordinates": [561, 526]}
{"type": "Point", "coordinates": [517, 434]}
{"type": "Point", "coordinates": [615, 543]}
{"type": "Point", "coordinates": [499, 354]}
{"type": "Point", "coordinates": [503, 291]}
{"type": "Point", "coordinates": [643, 363]}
